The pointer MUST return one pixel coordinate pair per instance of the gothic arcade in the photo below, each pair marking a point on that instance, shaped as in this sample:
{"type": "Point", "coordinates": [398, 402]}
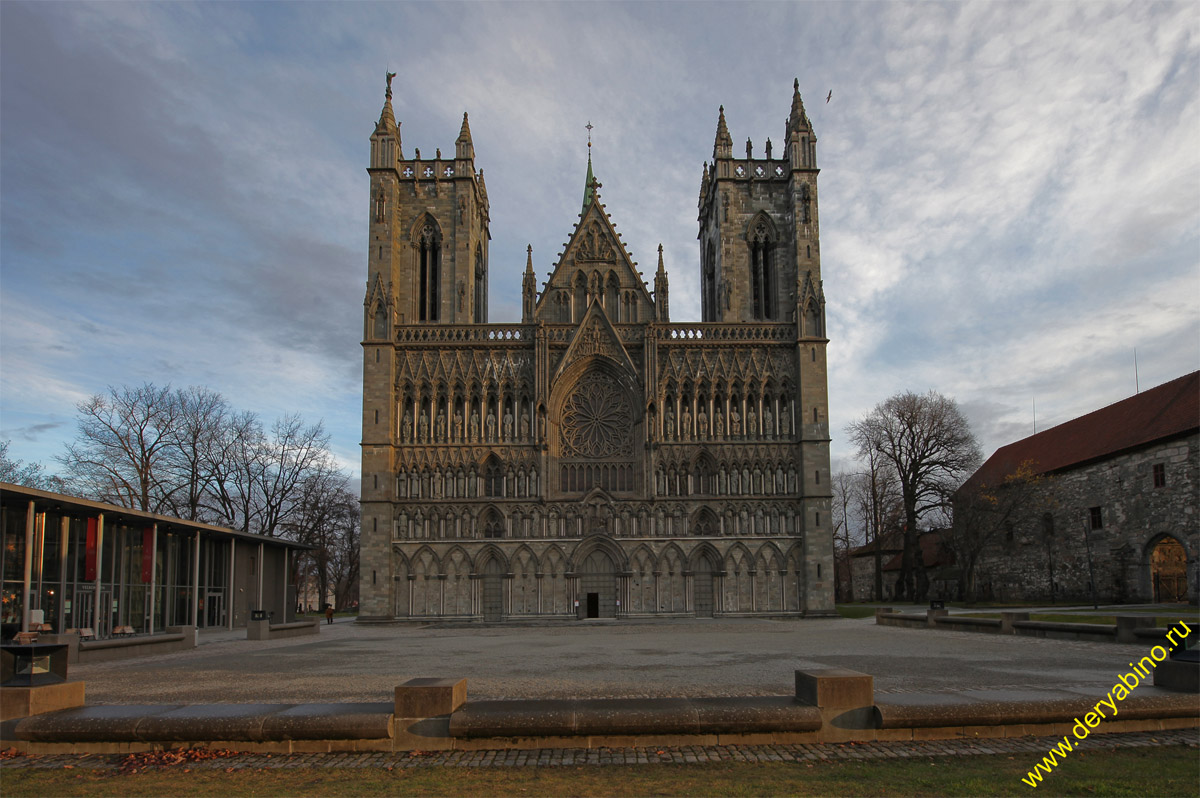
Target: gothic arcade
{"type": "Point", "coordinates": [596, 459]}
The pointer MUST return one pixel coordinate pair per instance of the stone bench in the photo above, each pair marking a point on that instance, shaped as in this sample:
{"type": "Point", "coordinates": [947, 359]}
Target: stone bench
{"type": "Point", "coordinates": [976, 624]}
{"type": "Point", "coordinates": [1065, 631]}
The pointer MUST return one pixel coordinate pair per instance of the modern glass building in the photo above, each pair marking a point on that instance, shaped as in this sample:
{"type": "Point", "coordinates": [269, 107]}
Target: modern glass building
{"type": "Point", "coordinates": [89, 565]}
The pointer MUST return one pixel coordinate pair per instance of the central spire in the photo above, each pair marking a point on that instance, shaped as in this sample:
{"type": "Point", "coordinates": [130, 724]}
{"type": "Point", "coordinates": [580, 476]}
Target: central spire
{"type": "Point", "coordinates": [589, 184]}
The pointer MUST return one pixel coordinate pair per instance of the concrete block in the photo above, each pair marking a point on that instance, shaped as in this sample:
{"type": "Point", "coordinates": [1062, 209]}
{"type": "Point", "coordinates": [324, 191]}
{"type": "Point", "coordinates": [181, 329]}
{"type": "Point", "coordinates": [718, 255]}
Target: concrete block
{"type": "Point", "coordinates": [931, 616]}
{"type": "Point", "coordinates": [258, 630]}
{"type": "Point", "coordinates": [835, 687]}
{"type": "Point", "coordinates": [429, 697]}
{"type": "Point", "coordinates": [1008, 618]}
{"type": "Point", "coordinates": [1126, 624]}
{"type": "Point", "coordinates": [1177, 674]}
{"type": "Point", "coordinates": [24, 701]}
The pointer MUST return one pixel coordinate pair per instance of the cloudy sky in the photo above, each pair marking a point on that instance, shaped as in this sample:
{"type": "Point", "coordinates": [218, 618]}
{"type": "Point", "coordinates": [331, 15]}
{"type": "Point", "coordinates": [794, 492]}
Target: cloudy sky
{"type": "Point", "coordinates": [1010, 193]}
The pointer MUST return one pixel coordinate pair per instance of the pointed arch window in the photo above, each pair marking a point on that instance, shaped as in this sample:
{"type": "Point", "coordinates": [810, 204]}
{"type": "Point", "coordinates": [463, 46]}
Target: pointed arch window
{"type": "Point", "coordinates": [493, 478]}
{"type": "Point", "coordinates": [430, 267]}
{"type": "Point", "coordinates": [708, 307]}
{"type": "Point", "coordinates": [480, 287]}
{"type": "Point", "coordinates": [493, 525]}
{"type": "Point", "coordinates": [762, 271]}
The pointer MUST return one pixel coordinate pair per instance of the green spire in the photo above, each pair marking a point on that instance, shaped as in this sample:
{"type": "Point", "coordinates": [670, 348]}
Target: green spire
{"type": "Point", "coordinates": [589, 186]}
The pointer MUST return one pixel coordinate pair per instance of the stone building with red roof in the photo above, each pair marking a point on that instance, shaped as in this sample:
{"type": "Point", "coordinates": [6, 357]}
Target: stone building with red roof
{"type": "Point", "coordinates": [1116, 497]}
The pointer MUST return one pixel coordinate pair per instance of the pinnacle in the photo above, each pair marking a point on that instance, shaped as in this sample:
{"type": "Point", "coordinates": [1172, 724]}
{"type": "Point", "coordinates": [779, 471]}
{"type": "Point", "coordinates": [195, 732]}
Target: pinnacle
{"type": "Point", "coordinates": [465, 133]}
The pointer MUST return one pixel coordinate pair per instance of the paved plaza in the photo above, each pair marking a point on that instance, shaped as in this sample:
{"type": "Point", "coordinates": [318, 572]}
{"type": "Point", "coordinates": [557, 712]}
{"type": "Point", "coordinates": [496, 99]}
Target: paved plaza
{"type": "Point", "coordinates": [349, 661]}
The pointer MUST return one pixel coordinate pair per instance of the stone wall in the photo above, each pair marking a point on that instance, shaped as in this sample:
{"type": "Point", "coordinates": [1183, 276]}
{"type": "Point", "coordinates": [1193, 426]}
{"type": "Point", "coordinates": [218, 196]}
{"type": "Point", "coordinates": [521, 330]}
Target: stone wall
{"type": "Point", "coordinates": [1135, 516]}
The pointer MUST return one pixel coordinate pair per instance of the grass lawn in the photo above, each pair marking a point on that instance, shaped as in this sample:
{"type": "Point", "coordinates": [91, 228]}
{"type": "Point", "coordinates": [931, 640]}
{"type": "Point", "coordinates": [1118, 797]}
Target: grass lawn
{"type": "Point", "coordinates": [1165, 771]}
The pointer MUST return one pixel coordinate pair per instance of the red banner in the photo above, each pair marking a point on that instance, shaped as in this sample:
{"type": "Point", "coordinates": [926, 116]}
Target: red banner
{"type": "Point", "coordinates": [89, 560]}
{"type": "Point", "coordinates": [147, 554]}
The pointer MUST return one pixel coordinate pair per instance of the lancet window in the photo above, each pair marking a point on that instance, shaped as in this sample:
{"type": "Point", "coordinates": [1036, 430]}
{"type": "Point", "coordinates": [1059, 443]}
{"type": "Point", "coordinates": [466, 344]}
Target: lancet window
{"type": "Point", "coordinates": [429, 266]}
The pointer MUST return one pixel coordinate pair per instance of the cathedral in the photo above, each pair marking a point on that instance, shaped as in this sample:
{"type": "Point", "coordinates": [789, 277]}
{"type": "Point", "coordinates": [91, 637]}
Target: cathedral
{"type": "Point", "coordinates": [595, 459]}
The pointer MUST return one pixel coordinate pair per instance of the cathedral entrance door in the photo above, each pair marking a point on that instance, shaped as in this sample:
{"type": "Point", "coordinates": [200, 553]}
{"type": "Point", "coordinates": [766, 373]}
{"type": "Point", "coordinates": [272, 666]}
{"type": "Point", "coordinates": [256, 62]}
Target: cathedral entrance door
{"type": "Point", "coordinates": [598, 583]}
{"type": "Point", "coordinates": [703, 582]}
{"type": "Point", "coordinates": [493, 592]}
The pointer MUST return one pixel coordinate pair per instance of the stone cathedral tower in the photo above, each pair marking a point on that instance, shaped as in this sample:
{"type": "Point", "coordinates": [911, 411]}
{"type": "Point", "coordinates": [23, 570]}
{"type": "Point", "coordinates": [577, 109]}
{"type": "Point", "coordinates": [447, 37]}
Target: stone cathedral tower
{"type": "Point", "coordinates": [595, 459]}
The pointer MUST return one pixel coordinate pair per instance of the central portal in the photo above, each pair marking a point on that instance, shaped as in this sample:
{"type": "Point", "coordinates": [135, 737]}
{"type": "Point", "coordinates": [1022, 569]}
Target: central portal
{"type": "Point", "coordinates": [598, 584]}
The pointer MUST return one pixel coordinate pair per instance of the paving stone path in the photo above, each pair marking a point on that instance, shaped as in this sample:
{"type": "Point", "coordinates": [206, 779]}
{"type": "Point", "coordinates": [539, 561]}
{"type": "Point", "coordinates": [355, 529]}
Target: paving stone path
{"type": "Point", "coordinates": [1027, 747]}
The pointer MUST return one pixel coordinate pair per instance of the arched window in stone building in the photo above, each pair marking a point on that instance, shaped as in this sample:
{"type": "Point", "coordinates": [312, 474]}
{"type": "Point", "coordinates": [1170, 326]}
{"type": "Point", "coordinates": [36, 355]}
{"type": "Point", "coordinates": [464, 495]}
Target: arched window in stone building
{"type": "Point", "coordinates": [429, 266]}
{"type": "Point", "coordinates": [493, 525]}
{"type": "Point", "coordinates": [762, 270]}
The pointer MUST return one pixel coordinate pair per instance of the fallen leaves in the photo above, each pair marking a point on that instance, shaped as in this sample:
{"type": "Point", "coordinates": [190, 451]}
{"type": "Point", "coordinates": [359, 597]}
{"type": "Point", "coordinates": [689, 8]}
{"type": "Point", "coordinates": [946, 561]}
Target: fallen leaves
{"type": "Point", "coordinates": [157, 760]}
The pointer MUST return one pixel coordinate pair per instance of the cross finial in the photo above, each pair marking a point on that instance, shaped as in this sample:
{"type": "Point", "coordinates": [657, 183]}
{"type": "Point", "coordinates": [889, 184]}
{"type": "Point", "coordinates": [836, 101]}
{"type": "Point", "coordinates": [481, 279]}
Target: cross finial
{"type": "Point", "coordinates": [589, 130]}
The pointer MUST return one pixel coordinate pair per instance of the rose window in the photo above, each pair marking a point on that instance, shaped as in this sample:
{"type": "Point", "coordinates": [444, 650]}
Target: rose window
{"type": "Point", "coordinates": [597, 420]}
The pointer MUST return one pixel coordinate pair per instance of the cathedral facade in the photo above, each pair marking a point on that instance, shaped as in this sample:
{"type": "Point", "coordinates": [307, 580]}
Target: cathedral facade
{"type": "Point", "coordinates": [595, 459]}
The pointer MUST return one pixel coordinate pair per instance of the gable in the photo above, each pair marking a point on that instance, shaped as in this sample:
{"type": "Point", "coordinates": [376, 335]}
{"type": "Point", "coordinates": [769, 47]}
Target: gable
{"type": "Point", "coordinates": [595, 336]}
{"type": "Point", "coordinates": [594, 263]}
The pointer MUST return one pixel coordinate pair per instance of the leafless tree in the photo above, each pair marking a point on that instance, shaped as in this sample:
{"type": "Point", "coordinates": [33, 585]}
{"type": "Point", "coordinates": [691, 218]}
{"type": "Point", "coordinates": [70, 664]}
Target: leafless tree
{"type": "Point", "coordinates": [120, 450]}
{"type": "Point", "coordinates": [194, 448]}
{"type": "Point", "coordinates": [876, 496]}
{"type": "Point", "coordinates": [844, 538]}
{"type": "Point", "coordinates": [30, 475]}
{"type": "Point", "coordinates": [927, 441]}
{"type": "Point", "coordinates": [235, 461]}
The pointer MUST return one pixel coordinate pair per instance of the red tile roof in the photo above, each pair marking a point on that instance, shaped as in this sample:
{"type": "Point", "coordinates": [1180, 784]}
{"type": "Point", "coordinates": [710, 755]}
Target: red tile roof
{"type": "Point", "coordinates": [1167, 411]}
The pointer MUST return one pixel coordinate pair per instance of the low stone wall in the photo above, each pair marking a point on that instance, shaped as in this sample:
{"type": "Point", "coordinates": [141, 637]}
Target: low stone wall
{"type": "Point", "coordinates": [829, 705]}
{"type": "Point", "coordinates": [87, 652]}
{"type": "Point", "coordinates": [265, 630]}
{"type": "Point", "coordinates": [1128, 629]}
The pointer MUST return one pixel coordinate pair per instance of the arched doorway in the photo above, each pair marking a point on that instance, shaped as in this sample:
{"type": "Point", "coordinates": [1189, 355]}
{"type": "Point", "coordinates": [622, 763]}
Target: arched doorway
{"type": "Point", "coordinates": [1168, 570]}
{"type": "Point", "coordinates": [493, 591]}
{"type": "Point", "coordinates": [598, 587]}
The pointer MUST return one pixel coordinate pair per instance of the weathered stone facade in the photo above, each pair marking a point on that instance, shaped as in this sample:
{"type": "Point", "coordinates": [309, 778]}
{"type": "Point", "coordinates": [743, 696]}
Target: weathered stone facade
{"type": "Point", "coordinates": [594, 460]}
{"type": "Point", "coordinates": [1123, 505]}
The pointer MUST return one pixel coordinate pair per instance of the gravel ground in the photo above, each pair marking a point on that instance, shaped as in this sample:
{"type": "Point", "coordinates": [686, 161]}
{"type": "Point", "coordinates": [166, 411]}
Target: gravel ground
{"type": "Point", "coordinates": [360, 662]}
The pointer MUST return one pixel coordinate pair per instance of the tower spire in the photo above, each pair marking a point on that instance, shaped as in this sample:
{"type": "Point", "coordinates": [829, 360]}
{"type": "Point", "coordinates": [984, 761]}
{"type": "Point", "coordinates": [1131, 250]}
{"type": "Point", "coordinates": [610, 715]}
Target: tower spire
{"type": "Point", "coordinates": [723, 145]}
{"type": "Point", "coordinates": [464, 148]}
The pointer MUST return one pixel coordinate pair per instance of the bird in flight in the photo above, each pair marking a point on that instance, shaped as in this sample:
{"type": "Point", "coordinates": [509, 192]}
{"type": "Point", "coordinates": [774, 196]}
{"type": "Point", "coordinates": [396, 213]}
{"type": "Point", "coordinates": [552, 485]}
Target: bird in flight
{"type": "Point", "coordinates": [829, 96]}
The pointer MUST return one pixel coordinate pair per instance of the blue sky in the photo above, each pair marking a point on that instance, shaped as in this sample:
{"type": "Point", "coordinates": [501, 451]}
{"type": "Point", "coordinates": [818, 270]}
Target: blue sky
{"type": "Point", "coordinates": [1010, 193]}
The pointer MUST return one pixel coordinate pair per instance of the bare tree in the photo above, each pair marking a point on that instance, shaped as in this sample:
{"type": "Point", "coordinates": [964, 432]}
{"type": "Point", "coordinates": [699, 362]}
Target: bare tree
{"type": "Point", "coordinates": [927, 441]}
{"type": "Point", "coordinates": [843, 538]}
{"type": "Point", "coordinates": [234, 463]}
{"type": "Point", "coordinates": [120, 447]}
{"type": "Point", "coordinates": [31, 475]}
{"type": "Point", "coordinates": [294, 453]}
{"type": "Point", "coordinates": [876, 495]}
{"type": "Point", "coordinates": [194, 449]}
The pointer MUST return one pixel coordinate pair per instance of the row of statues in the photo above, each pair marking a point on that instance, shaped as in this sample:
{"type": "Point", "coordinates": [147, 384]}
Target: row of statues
{"type": "Point", "coordinates": [474, 434]}
{"type": "Point", "coordinates": [686, 431]}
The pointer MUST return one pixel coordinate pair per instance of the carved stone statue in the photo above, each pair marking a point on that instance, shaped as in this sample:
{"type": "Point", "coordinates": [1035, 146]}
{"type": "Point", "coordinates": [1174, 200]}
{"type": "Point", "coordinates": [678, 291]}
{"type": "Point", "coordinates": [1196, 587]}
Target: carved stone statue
{"type": "Point", "coordinates": [508, 425]}
{"type": "Point", "coordinates": [702, 423]}
{"type": "Point", "coordinates": [458, 425]}
{"type": "Point", "coordinates": [685, 429]}
{"type": "Point", "coordinates": [719, 424]}
{"type": "Point", "coordinates": [735, 423]}
{"type": "Point", "coordinates": [406, 427]}
{"type": "Point", "coordinates": [751, 423]}
{"type": "Point", "coordinates": [439, 426]}
{"type": "Point", "coordinates": [525, 426]}
{"type": "Point", "coordinates": [768, 423]}
{"type": "Point", "coordinates": [669, 429]}
{"type": "Point", "coordinates": [423, 427]}
{"type": "Point", "coordinates": [491, 426]}
{"type": "Point", "coordinates": [784, 422]}
{"type": "Point", "coordinates": [474, 431]}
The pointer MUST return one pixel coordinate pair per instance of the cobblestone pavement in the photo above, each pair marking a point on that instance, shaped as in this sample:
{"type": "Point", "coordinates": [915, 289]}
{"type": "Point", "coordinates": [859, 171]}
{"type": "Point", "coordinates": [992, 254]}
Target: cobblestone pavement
{"type": "Point", "coordinates": [1031, 747]}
